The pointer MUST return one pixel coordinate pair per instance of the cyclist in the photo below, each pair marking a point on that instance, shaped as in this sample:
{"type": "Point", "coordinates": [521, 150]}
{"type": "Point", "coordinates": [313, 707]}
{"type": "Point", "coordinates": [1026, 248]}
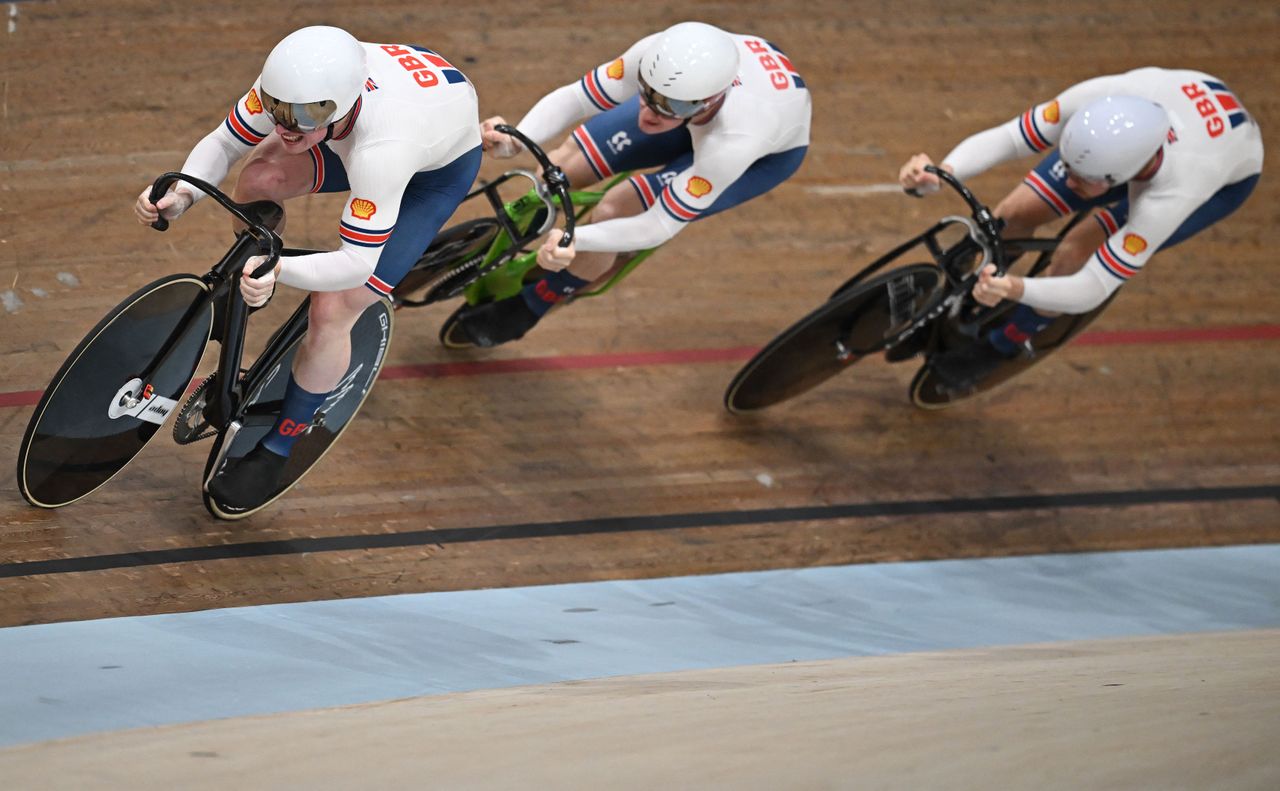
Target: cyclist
{"type": "Point", "coordinates": [725, 118]}
{"type": "Point", "coordinates": [398, 127]}
{"type": "Point", "coordinates": [1162, 153]}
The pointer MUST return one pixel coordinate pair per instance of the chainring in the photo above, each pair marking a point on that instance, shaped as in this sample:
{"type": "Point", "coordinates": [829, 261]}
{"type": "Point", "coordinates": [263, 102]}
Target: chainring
{"type": "Point", "coordinates": [191, 425]}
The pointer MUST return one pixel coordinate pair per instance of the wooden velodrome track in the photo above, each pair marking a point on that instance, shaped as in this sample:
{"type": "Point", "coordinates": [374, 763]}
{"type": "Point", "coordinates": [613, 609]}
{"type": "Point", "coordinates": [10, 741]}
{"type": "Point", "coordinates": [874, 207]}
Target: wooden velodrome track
{"type": "Point", "coordinates": [597, 448]}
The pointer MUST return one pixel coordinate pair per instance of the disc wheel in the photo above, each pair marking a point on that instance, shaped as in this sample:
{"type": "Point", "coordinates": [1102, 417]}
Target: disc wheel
{"type": "Point", "coordinates": [370, 339]}
{"type": "Point", "coordinates": [448, 266]}
{"type": "Point", "coordinates": [114, 391]}
{"type": "Point", "coordinates": [859, 321]}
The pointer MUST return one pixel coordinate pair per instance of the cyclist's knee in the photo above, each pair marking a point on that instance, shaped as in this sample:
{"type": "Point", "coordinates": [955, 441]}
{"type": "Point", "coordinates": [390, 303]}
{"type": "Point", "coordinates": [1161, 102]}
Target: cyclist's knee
{"type": "Point", "coordinates": [569, 158]}
{"type": "Point", "coordinates": [1023, 212]}
{"type": "Point", "coordinates": [275, 176]}
{"type": "Point", "coordinates": [1075, 248]}
{"type": "Point", "coordinates": [336, 311]}
{"type": "Point", "coordinates": [621, 201]}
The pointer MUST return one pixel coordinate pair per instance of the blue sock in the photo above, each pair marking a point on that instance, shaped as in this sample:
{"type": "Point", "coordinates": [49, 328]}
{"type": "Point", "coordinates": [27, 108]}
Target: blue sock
{"type": "Point", "coordinates": [541, 295]}
{"type": "Point", "coordinates": [296, 412]}
{"type": "Point", "coordinates": [1023, 323]}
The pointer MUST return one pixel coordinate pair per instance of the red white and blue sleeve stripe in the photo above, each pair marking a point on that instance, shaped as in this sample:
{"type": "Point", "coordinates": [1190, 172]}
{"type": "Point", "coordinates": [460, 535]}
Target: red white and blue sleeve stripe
{"type": "Point", "coordinates": [1032, 135]}
{"type": "Point", "coordinates": [363, 236]}
{"type": "Point", "coordinates": [1108, 221]}
{"type": "Point", "coordinates": [1115, 265]}
{"type": "Point", "coordinates": [676, 208]}
{"type": "Point", "coordinates": [240, 128]}
{"type": "Point", "coordinates": [1047, 193]}
{"type": "Point", "coordinates": [594, 89]}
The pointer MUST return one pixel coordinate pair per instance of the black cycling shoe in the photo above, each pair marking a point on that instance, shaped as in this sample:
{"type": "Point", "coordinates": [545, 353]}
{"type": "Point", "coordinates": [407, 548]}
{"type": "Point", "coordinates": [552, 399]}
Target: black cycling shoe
{"type": "Point", "coordinates": [961, 369]}
{"type": "Point", "coordinates": [494, 323]}
{"type": "Point", "coordinates": [249, 481]}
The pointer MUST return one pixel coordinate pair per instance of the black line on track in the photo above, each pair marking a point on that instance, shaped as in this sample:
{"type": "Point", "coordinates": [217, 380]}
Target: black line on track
{"type": "Point", "coordinates": [627, 524]}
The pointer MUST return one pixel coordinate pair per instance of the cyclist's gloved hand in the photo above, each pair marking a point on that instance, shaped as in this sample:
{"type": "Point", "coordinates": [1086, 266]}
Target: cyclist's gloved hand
{"type": "Point", "coordinates": [257, 291]}
{"type": "Point", "coordinates": [172, 205]}
{"type": "Point", "coordinates": [914, 179]}
{"type": "Point", "coordinates": [551, 256]}
{"type": "Point", "coordinates": [498, 145]}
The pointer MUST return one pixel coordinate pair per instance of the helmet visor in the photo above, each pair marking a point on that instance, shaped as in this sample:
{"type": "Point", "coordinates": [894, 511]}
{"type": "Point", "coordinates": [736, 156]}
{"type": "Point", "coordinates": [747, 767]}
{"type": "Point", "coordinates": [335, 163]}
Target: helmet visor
{"type": "Point", "coordinates": [667, 107]}
{"type": "Point", "coordinates": [299, 116]}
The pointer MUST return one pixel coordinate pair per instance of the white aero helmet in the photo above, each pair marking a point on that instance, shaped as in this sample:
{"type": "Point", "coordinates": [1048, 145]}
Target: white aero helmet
{"type": "Point", "coordinates": [313, 77]}
{"type": "Point", "coordinates": [1112, 138]}
{"type": "Point", "coordinates": [687, 67]}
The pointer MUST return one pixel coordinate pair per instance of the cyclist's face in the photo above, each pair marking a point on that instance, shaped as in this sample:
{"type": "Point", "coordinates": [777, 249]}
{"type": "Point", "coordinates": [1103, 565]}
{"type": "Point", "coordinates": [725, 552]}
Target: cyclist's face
{"type": "Point", "coordinates": [297, 142]}
{"type": "Point", "coordinates": [652, 123]}
{"type": "Point", "coordinates": [1085, 188]}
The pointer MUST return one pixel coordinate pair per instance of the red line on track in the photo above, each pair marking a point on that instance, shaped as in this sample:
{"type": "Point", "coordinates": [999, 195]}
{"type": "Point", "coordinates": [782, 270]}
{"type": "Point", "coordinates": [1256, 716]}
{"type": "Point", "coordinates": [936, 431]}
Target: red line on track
{"type": "Point", "coordinates": [1257, 332]}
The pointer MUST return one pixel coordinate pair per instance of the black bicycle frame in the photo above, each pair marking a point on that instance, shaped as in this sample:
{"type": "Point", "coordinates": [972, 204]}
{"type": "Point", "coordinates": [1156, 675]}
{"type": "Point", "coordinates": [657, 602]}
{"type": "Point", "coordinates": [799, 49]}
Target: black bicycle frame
{"type": "Point", "coordinates": [257, 238]}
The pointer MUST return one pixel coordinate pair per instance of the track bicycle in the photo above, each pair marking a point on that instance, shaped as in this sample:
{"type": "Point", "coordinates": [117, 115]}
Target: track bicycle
{"type": "Point", "coordinates": [917, 308]}
{"type": "Point", "coordinates": [130, 373]}
{"type": "Point", "coordinates": [488, 258]}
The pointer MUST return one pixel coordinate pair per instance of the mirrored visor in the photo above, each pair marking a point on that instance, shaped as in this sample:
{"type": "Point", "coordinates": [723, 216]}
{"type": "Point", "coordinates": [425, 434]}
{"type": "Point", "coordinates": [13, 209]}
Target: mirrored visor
{"type": "Point", "coordinates": [299, 116]}
{"type": "Point", "coordinates": [668, 107]}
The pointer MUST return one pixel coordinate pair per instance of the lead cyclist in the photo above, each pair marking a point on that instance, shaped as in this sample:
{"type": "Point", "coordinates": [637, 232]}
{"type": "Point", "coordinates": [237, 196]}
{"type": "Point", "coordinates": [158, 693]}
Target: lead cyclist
{"type": "Point", "coordinates": [398, 127]}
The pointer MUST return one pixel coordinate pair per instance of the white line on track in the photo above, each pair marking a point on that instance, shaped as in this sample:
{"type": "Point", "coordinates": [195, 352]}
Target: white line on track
{"type": "Point", "coordinates": [855, 190]}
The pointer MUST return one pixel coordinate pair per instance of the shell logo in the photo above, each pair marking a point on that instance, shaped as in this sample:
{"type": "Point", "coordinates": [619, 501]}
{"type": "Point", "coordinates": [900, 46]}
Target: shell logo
{"type": "Point", "coordinates": [614, 72]}
{"type": "Point", "coordinates": [253, 102]}
{"type": "Point", "coordinates": [1052, 113]}
{"type": "Point", "coordinates": [1134, 244]}
{"type": "Point", "coordinates": [363, 208]}
{"type": "Point", "coordinates": [698, 186]}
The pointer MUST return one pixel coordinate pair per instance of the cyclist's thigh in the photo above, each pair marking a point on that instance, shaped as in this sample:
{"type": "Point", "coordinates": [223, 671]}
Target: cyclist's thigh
{"type": "Point", "coordinates": [337, 311]}
{"type": "Point", "coordinates": [613, 142]}
{"type": "Point", "coordinates": [622, 200]}
{"type": "Point", "coordinates": [764, 174]}
{"type": "Point", "coordinates": [430, 198]}
{"type": "Point", "coordinates": [1076, 247]}
{"type": "Point", "coordinates": [1222, 203]}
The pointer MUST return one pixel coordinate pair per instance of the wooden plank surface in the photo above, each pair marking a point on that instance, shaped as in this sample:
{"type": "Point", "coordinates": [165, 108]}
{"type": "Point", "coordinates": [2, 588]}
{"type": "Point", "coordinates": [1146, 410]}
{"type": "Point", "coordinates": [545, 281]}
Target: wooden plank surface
{"type": "Point", "coordinates": [100, 98]}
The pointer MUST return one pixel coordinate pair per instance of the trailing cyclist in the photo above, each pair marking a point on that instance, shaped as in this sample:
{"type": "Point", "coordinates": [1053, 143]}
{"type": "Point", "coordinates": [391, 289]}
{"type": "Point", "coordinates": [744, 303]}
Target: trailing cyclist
{"type": "Point", "coordinates": [724, 116]}
{"type": "Point", "coordinates": [1162, 153]}
{"type": "Point", "coordinates": [398, 126]}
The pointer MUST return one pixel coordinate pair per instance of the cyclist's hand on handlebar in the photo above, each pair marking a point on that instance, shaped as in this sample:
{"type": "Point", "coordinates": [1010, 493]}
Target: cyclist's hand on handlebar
{"type": "Point", "coordinates": [256, 291]}
{"type": "Point", "coordinates": [172, 205]}
{"type": "Point", "coordinates": [990, 290]}
{"type": "Point", "coordinates": [498, 145]}
{"type": "Point", "coordinates": [553, 257]}
{"type": "Point", "coordinates": [912, 176]}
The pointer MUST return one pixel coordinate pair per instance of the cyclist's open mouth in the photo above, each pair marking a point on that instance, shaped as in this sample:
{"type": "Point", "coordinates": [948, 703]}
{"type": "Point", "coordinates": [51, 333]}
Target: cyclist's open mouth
{"type": "Point", "coordinates": [291, 137]}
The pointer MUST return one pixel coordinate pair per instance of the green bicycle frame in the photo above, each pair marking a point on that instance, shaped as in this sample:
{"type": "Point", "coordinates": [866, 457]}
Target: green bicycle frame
{"type": "Point", "coordinates": [507, 279]}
